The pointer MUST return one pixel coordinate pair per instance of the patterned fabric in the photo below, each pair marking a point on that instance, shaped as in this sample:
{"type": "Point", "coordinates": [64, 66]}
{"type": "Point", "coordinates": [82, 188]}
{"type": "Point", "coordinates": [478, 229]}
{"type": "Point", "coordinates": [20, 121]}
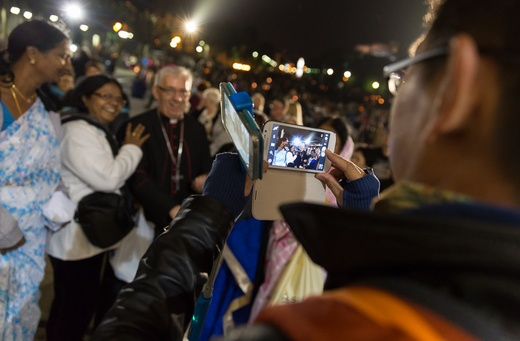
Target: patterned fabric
{"type": "Point", "coordinates": [29, 174]}
{"type": "Point", "coordinates": [281, 246]}
{"type": "Point", "coordinates": [410, 195]}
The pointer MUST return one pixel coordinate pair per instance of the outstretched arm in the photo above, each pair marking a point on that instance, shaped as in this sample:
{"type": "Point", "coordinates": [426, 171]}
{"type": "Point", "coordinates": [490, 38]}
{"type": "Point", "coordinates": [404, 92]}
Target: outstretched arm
{"type": "Point", "coordinates": [159, 303]}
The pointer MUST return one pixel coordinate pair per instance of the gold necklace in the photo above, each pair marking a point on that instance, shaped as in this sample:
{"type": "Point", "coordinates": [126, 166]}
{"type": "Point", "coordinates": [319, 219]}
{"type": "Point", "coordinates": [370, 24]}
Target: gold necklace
{"type": "Point", "coordinates": [16, 101]}
{"type": "Point", "coordinates": [28, 100]}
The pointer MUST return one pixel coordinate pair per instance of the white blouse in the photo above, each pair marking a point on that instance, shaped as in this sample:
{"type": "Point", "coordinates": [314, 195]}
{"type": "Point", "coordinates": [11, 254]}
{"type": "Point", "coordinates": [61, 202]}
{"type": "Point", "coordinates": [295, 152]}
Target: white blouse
{"type": "Point", "coordinates": [88, 165]}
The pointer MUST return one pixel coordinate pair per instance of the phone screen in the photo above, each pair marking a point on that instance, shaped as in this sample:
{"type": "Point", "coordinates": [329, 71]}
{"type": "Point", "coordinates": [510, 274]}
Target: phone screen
{"type": "Point", "coordinates": [237, 131]}
{"type": "Point", "coordinates": [298, 148]}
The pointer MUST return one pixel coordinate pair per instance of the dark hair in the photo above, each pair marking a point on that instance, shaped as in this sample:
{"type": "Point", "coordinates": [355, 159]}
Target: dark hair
{"type": "Point", "coordinates": [339, 125]}
{"type": "Point", "coordinates": [37, 33]}
{"type": "Point", "coordinates": [279, 99]}
{"type": "Point", "coordinates": [280, 140]}
{"type": "Point", "coordinates": [203, 85]}
{"type": "Point", "coordinates": [371, 154]}
{"type": "Point", "coordinates": [93, 63]}
{"type": "Point", "coordinates": [89, 85]}
{"type": "Point", "coordinates": [493, 24]}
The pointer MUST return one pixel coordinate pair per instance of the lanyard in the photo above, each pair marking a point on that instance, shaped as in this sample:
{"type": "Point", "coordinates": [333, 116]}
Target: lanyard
{"type": "Point", "coordinates": [176, 161]}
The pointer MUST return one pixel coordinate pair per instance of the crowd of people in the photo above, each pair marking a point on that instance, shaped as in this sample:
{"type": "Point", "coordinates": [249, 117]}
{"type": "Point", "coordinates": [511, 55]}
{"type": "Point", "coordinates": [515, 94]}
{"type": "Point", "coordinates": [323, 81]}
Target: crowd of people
{"type": "Point", "coordinates": [162, 156]}
{"type": "Point", "coordinates": [420, 247]}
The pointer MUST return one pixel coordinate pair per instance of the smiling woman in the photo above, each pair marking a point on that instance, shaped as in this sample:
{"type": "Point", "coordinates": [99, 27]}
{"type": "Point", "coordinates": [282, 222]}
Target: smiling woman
{"type": "Point", "coordinates": [91, 163]}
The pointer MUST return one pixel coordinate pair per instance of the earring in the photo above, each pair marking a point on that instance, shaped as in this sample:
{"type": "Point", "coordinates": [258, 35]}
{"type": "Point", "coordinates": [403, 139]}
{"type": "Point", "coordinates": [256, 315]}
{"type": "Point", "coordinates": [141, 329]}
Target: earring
{"type": "Point", "coordinates": [32, 61]}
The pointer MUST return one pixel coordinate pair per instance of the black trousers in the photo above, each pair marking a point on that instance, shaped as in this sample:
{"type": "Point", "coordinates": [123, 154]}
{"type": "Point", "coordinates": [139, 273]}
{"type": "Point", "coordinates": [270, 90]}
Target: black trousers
{"type": "Point", "coordinates": [82, 289]}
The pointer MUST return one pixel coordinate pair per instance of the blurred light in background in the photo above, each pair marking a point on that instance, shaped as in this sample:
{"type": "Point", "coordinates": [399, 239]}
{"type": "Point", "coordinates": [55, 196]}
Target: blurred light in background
{"type": "Point", "coordinates": [96, 40]}
{"type": "Point", "coordinates": [191, 26]}
{"type": "Point", "coordinates": [117, 27]}
{"type": "Point", "coordinates": [299, 67]}
{"type": "Point", "coordinates": [241, 67]}
{"type": "Point", "coordinates": [269, 60]}
{"type": "Point", "coordinates": [73, 11]}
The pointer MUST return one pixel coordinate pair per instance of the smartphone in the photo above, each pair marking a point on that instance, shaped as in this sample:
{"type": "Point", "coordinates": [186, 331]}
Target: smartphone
{"type": "Point", "coordinates": [241, 127]}
{"type": "Point", "coordinates": [297, 148]}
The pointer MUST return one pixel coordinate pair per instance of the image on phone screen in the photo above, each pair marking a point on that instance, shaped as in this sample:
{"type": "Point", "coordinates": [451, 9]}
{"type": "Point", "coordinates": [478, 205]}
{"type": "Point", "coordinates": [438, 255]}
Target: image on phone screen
{"type": "Point", "coordinates": [297, 148]}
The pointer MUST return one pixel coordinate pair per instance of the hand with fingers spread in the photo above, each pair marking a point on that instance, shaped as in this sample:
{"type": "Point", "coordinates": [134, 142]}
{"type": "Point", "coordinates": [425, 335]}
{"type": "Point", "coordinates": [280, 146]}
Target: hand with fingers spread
{"type": "Point", "coordinates": [135, 136]}
{"type": "Point", "coordinates": [352, 186]}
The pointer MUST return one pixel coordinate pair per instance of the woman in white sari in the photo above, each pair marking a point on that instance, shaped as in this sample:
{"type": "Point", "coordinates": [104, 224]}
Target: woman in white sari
{"type": "Point", "coordinates": [37, 53]}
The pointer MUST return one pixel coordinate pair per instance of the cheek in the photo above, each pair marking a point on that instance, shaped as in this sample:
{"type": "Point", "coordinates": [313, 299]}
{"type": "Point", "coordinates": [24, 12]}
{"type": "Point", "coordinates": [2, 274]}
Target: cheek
{"type": "Point", "coordinates": [410, 118]}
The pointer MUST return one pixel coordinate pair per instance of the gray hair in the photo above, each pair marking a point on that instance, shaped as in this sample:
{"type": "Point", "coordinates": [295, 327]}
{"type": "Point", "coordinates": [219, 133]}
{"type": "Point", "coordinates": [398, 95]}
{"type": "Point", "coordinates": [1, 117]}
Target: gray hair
{"type": "Point", "coordinates": [211, 94]}
{"type": "Point", "coordinates": [176, 72]}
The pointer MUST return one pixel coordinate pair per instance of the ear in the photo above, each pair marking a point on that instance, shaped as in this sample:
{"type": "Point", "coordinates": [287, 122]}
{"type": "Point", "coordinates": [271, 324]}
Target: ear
{"type": "Point", "coordinates": [155, 92]}
{"type": "Point", "coordinates": [456, 98]}
{"type": "Point", "coordinates": [84, 99]}
{"type": "Point", "coordinates": [32, 52]}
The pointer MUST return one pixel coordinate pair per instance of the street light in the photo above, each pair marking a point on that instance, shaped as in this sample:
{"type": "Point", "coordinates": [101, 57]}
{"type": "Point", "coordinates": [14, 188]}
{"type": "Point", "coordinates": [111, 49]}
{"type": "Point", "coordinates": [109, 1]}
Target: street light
{"type": "Point", "coordinates": [15, 10]}
{"type": "Point", "coordinates": [27, 15]}
{"type": "Point", "coordinates": [191, 26]}
{"type": "Point", "coordinates": [117, 27]}
{"type": "Point", "coordinates": [53, 18]}
{"type": "Point", "coordinates": [73, 11]}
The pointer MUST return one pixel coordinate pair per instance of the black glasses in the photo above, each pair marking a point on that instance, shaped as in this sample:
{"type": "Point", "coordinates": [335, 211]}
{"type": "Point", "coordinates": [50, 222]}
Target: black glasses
{"type": "Point", "coordinates": [110, 98]}
{"type": "Point", "coordinates": [395, 72]}
{"type": "Point", "coordinates": [169, 91]}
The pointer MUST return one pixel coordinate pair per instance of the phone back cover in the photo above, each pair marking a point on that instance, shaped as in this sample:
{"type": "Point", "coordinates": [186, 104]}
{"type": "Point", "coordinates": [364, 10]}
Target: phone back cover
{"type": "Point", "coordinates": [278, 187]}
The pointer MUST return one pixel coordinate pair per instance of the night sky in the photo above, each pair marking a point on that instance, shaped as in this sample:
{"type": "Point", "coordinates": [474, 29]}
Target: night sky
{"type": "Point", "coordinates": [314, 29]}
{"type": "Point", "coordinates": [324, 32]}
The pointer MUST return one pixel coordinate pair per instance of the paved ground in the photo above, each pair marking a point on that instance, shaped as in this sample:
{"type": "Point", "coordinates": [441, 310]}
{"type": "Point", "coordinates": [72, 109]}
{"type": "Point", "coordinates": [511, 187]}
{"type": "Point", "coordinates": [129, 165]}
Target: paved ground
{"type": "Point", "coordinates": [137, 106]}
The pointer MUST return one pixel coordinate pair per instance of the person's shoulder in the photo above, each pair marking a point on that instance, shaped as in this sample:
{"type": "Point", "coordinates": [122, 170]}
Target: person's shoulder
{"type": "Point", "coordinates": [192, 123]}
{"type": "Point", "coordinates": [79, 130]}
{"type": "Point", "coordinates": [143, 117]}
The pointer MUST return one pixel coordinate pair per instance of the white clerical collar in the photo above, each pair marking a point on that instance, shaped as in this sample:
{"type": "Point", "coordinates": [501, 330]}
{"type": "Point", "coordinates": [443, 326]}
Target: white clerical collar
{"type": "Point", "coordinates": [173, 120]}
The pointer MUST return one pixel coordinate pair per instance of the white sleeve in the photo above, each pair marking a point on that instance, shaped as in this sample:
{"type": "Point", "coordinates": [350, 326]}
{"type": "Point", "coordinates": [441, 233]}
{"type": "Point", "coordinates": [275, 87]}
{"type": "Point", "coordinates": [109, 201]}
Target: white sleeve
{"type": "Point", "coordinates": [85, 151]}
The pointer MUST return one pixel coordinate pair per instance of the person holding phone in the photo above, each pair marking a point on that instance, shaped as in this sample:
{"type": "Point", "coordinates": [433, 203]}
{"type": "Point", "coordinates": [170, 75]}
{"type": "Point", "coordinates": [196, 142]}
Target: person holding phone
{"type": "Point", "coordinates": [441, 247]}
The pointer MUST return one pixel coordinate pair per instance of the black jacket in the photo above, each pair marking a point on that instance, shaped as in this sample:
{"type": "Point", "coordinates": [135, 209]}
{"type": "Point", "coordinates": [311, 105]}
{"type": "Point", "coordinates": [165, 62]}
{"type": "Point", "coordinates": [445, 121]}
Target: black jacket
{"type": "Point", "coordinates": [462, 265]}
{"type": "Point", "coordinates": [460, 261]}
{"type": "Point", "coordinates": [159, 303]}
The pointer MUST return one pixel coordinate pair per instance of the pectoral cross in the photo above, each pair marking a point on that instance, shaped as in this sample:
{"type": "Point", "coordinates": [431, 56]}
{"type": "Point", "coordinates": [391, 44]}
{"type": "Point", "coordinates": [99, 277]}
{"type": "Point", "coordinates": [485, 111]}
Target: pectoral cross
{"type": "Point", "coordinates": [177, 179]}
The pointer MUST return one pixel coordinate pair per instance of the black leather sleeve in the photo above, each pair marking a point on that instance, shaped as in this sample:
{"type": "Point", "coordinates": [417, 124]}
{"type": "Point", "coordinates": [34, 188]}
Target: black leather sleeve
{"type": "Point", "coordinates": [159, 303]}
{"type": "Point", "coordinates": [255, 332]}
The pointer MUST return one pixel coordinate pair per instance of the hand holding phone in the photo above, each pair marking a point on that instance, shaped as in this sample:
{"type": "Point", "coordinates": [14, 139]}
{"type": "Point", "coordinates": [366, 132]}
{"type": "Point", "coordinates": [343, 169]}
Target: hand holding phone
{"type": "Point", "coordinates": [343, 170]}
{"type": "Point", "coordinates": [297, 148]}
{"type": "Point", "coordinates": [295, 154]}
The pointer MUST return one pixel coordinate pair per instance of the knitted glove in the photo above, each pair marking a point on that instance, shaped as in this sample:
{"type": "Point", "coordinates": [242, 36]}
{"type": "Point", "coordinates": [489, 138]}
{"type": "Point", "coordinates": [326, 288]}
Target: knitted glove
{"type": "Point", "coordinates": [358, 194]}
{"type": "Point", "coordinates": [226, 182]}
